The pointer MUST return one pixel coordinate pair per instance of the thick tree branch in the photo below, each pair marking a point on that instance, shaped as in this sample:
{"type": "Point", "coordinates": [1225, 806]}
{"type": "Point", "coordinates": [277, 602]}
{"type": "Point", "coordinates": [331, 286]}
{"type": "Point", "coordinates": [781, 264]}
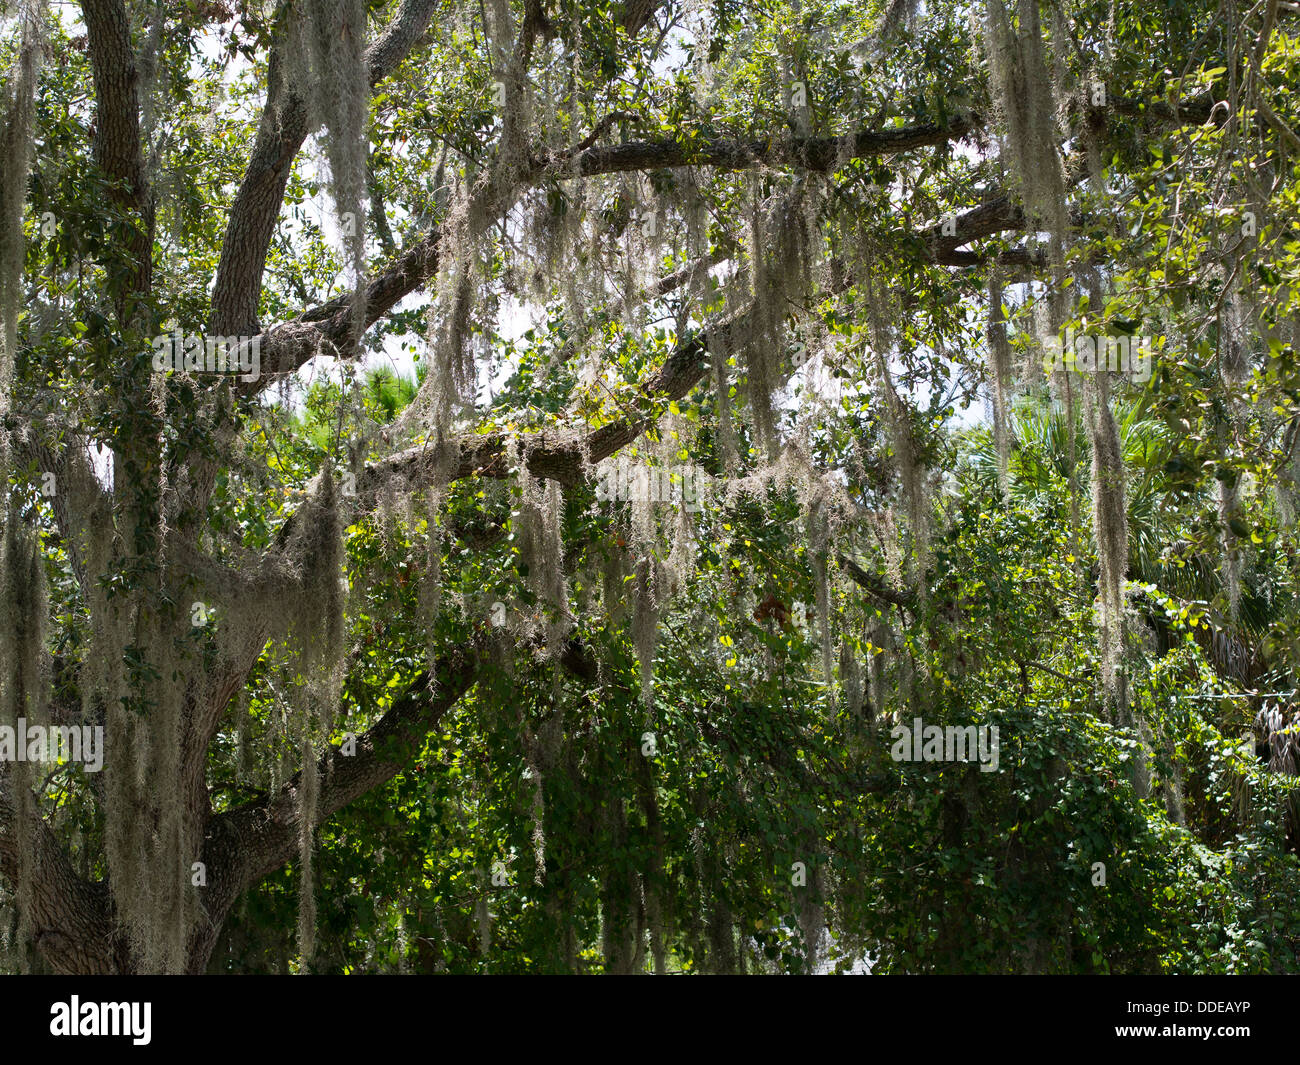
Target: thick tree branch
{"type": "Point", "coordinates": [77, 496]}
{"type": "Point", "coordinates": [118, 149]}
{"type": "Point", "coordinates": [245, 844]}
{"type": "Point", "coordinates": [563, 456]}
{"type": "Point", "coordinates": [819, 154]}
{"type": "Point", "coordinates": [283, 129]}
{"type": "Point", "coordinates": [71, 919]}
{"type": "Point", "coordinates": [325, 329]}
{"type": "Point", "coordinates": [636, 14]}
{"type": "Point", "coordinates": [873, 585]}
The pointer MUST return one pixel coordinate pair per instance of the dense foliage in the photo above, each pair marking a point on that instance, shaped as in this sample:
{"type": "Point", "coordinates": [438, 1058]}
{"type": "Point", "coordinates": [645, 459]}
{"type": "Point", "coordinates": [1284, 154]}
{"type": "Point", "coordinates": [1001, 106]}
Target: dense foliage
{"type": "Point", "coordinates": [647, 410]}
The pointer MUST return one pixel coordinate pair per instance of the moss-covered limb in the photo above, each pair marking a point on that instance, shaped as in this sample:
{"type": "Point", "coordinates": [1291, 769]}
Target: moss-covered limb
{"type": "Point", "coordinates": [818, 154]}
{"type": "Point", "coordinates": [324, 329]}
{"type": "Point", "coordinates": [80, 502]}
{"type": "Point", "coordinates": [560, 456]}
{"type": "Point", "coordinates": [556, 456]}
{"type": "Point", "coordinates": [245, 844]}
{"type": "Point", "coordinates": [70, 917]}
{"type": "Point", "coordinates": [284, 127]}
{"type": "Point", "coordinates": [16, 120]}
{"type": "Point", "coordinates": [874, 585]}
{"type": "Point", "coordinates": [288, 347]}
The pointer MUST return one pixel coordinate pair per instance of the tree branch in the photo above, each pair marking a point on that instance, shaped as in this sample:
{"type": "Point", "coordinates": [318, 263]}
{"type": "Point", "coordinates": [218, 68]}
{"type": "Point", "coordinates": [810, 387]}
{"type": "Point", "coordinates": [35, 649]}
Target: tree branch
{"type": "Point", "coordinates": [245, 844]}
{"type": "Point", "coordinates": [819, 154]}
{"type": "Point", "coordinates": [873, 585]}
{"type": "Point", "coordinates": [283, 129]}
{"type": "Point", "coordinates": [290, 346]}
{"type": "Point", "coordinates": [71, 920]}
{"type": "Point", "coordinates": [118, 149]}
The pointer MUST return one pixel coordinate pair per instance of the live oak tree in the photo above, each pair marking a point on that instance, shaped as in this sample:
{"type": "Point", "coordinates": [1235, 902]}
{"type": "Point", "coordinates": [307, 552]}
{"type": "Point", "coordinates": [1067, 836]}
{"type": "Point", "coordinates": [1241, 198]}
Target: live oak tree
{"type": "Point", "coordinates": [780, 245]}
